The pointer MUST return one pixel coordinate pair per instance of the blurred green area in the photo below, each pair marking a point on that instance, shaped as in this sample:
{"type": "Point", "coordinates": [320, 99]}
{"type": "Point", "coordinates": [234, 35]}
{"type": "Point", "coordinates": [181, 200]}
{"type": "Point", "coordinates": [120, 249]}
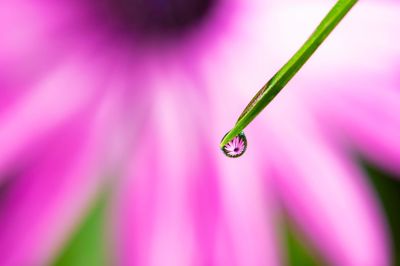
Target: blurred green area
{"type": "Point", "coordinates": [387, 187]}
{"type": "Point", "coordinates": [88, 246]}
{"type": "Point", "coordinates": [298, 250]}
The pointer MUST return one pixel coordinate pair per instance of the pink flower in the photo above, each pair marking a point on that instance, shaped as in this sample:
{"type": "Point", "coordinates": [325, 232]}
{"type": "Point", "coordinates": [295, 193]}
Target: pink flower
{"type": "Point", "coordinates": [137, 95]}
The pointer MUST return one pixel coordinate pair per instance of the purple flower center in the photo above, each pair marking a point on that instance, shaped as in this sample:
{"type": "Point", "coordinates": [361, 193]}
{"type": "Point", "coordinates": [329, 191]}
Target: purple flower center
{"type": "Point", "coordinates": [152, 17]}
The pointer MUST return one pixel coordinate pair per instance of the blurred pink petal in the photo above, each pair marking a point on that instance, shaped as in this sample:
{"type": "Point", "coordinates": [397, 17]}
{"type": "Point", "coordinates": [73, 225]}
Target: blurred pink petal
{"type": "Point", "coordinates": [62, 94]}
{"type": "Point", "coordinates": [367, 119]}
{"type": "Point", "coordinates": [45, 195]}
{"type": "Point", "coordinates": [249, 211]}
{"type": "Point", "coordinates": [325, 194]}
{"type": "Point", "coordinates": [169, 208]}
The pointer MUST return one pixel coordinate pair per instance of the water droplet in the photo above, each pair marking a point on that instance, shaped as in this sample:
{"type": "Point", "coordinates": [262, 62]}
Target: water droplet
{"type": "Point", "coordinates": [236, 147]}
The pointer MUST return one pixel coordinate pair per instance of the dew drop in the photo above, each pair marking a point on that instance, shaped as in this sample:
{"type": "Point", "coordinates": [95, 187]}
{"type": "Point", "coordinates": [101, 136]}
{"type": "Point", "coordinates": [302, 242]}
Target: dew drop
{"type": "Point", "coordinates": [236, 147]}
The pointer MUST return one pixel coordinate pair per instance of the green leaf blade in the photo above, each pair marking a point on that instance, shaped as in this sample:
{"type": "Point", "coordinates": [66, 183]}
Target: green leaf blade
{"type": "Point", "coordinates": [289, 70]}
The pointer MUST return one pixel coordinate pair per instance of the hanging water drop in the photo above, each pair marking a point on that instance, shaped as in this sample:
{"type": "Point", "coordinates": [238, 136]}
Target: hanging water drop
{"type": "Point", "coordinates": [236, 147]}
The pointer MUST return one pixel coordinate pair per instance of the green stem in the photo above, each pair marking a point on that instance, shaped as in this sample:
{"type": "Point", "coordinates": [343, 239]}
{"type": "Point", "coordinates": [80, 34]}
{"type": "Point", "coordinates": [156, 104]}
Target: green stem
{"type": "Point", "coordinates": [286, 73]}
